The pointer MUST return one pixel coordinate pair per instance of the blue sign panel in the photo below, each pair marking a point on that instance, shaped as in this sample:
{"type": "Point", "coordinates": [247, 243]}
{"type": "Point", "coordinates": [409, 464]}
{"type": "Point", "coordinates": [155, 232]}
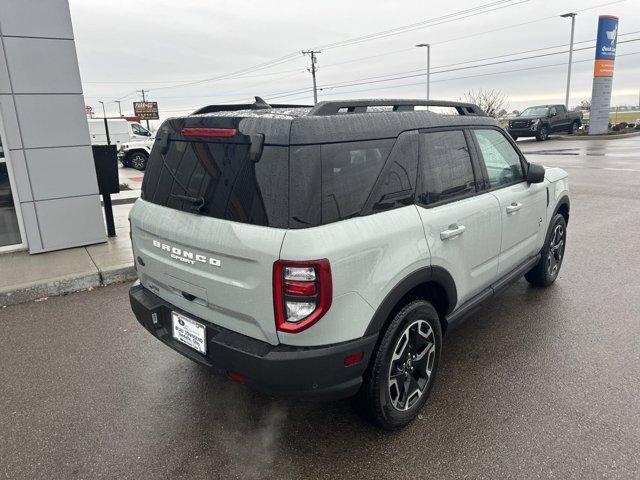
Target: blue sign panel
{"type": "Point", "coordinates": [607, 38]}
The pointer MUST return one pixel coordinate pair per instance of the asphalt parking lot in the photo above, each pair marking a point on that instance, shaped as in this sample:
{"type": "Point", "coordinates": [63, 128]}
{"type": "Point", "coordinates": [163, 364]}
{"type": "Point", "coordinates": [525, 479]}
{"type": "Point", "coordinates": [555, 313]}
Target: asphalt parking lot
{"type": "Point", "coordinates": [540, 384]}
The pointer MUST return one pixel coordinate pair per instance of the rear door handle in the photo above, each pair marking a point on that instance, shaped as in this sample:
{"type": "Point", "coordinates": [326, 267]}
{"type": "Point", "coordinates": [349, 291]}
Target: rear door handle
{"type": "Point", "coordinates": [514, 207]}
{"type": "Point", "coordinates": [453, 231]}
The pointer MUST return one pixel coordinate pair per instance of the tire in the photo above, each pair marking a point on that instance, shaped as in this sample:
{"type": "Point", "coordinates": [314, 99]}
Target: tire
{"type": "Point", "coordinates": [138, 160]}
{"type": "Point", "coordinates": [573, 129]}
{"type": "Point", "coordinates": [552, 254]}
{"type": "Point", "coordinates": [543, 134]}
{"type": "Point", "coordinates": [396, 389]}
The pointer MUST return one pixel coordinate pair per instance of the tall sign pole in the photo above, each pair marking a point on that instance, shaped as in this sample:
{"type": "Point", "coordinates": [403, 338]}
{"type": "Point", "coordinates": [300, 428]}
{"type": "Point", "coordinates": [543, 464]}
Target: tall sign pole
{"type": "Point", "coordinates": [603, 74]}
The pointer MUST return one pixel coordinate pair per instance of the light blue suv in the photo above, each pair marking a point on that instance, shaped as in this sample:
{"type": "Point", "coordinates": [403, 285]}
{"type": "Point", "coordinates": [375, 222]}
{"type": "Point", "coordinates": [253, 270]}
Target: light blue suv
{"type": "Point", "coordinates": [324, 251]}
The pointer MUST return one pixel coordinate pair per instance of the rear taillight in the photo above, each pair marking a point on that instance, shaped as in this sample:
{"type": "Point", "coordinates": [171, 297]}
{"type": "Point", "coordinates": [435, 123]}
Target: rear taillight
{"type": "Point", "coordinates": [302, 293]}
{"type": "Point", "coordinates": [208, 132]}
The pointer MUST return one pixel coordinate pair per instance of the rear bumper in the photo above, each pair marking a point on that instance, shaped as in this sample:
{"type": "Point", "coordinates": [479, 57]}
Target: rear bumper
{"type": "Point", "coordinates": [317, 372]}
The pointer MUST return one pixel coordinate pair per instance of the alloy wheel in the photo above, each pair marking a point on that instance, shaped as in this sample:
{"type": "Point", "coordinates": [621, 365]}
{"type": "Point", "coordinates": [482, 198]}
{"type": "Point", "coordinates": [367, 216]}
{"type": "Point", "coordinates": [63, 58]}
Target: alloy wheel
{"type": "Point", "coordinates": [556, 251]}
{"type": "Point", "coordinates": [412, 365]}
{"type": "Point", "coordinates": [138, 161]}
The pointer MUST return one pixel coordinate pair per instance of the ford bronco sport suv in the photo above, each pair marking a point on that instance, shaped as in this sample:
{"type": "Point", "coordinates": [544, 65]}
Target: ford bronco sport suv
{"type": "Point", "coordinates": [324, 251]}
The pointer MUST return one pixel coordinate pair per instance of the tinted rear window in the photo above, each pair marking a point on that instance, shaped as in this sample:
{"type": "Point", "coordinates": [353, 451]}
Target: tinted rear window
{"type": "Point", "coordinates": [219, 180]}
{"type": "Point", "coordinates": [332, 182]}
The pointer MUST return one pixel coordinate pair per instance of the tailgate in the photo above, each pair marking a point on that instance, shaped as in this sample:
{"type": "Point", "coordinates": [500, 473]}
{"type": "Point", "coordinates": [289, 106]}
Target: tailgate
{"type": "Point", "coordinates": [217, 270]}
{"type": "Point", "coordinates": [209, 225]}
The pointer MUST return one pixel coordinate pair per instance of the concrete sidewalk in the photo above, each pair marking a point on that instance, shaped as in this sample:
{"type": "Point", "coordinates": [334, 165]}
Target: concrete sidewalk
{"type": "Point", "coordinates": [30, 277]}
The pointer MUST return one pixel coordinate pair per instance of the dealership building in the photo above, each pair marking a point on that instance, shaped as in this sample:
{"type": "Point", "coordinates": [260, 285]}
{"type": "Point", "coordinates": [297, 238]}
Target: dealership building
{"type": "Point", "coordinates": [48, 189]}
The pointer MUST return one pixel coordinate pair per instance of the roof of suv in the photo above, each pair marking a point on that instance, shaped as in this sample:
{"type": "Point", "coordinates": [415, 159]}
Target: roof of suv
{"type": "Point", "coordinates": [346, 120]}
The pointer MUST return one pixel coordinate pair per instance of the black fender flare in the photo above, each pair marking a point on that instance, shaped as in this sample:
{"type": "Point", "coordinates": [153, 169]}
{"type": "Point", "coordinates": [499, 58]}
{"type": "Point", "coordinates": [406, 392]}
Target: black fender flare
{"type": "Point", "coordinates": [433, 274]}
{"type": "Point", "coordinates": [564, 200]}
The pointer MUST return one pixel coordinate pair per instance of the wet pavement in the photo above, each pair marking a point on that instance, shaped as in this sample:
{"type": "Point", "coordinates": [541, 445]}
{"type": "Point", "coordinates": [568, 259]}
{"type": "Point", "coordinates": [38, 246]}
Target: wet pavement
{"type": "Point", "coordinates": [539, 384]}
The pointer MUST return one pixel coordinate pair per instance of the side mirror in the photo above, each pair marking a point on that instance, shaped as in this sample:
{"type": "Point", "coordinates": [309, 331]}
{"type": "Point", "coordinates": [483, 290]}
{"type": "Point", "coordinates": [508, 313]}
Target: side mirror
{"type": "Point", "coordinates": [535, 174]}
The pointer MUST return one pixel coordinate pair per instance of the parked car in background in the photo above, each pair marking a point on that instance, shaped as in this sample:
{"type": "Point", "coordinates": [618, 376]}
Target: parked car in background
{"type": "Point", "coordinates": [135, 154]}
{"type": "Point", "coordinates": [324, 251]}
{"type": "Point", "coordinates": [543, 120]}
{"type": "Point", "coordinates": [120, 131]}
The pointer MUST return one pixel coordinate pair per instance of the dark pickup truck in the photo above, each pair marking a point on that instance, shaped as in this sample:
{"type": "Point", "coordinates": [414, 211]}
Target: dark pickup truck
{"type": "Point", "coordinates": [543, 120]}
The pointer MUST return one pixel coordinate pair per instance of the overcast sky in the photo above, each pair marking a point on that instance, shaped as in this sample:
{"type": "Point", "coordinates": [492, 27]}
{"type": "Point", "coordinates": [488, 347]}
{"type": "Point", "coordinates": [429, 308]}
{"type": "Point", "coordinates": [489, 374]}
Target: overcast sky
{"type": "Point", "coordinates": [158, 45]}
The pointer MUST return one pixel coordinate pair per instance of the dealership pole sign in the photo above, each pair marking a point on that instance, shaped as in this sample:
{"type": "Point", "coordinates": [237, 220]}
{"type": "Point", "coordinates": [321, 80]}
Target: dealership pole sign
{"type": "Point", "coordinates": [603, 74]}
{"type": "Point", "coordinates": [146, 110]}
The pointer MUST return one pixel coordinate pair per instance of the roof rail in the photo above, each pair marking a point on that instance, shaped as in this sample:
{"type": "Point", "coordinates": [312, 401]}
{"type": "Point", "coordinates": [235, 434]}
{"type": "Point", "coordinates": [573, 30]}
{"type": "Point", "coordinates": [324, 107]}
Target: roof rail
{"type": "Point", "coordinates": [259, 104]}
{"type": "Point", "coordinates": [360, 106]}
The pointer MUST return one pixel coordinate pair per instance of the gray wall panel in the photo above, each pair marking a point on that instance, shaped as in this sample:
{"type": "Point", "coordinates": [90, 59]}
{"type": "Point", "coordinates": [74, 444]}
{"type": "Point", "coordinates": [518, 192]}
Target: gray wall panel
{"type": "Point", "coordinates": [36, 18]}
{"type": "Point", "coordinates": [10, 122]}
{"type": "Point", "coordinates": [69, 222]}
{"type": "Point", "coordinates": [20, 175]}
{"type": "Point", "coordinates": [5, 85]}
{"type": "Point", "coordinates": [52, 120]}
{"type": "Point", "coordinates": [61, 172]}
{"type": "Point", "coordinates": [31, 227]}
{"type": "Point", "coordinates": [42, 65]}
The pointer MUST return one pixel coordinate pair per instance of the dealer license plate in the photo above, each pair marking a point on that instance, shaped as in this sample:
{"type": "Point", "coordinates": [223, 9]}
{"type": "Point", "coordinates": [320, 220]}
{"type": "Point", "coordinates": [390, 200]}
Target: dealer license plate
{"type": "Point", "coordinates": [189, 332]}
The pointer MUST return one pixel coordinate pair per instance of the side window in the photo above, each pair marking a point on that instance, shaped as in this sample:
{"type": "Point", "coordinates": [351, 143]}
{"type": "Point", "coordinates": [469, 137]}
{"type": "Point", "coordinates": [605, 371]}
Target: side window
{"type": "Point", "coordinates": [500, 158]}
{"type": "Point", "coordinates": [445, 167]}
{"type": "Point", "coordinates": [349, 171]}
{"type": "Point", "coordinates": [553, 111]}
{"type": "Point", "coordinates": [560, 109]}
{"type": "Point", "coordinates": [396, 184]}
{"type": "Point", "coordinates": [138, 130]}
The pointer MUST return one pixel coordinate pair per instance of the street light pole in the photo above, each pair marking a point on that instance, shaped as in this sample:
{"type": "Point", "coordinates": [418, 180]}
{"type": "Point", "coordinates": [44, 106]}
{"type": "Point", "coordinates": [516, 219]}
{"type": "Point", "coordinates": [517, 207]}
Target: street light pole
{"type": "Point", "coordinates": [573, 26]}
{"type": "Point", "coordinates": [428, 65]}
{"type": "Point", "coordinates": [119, 107]}
{"type": "Point", "coordinates": [104, 112]}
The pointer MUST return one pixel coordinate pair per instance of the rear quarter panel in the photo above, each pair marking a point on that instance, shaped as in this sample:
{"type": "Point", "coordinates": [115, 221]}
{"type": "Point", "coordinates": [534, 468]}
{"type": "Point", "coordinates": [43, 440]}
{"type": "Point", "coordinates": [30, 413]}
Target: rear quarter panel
{"type": "Point", "coordinates": [368, 256]}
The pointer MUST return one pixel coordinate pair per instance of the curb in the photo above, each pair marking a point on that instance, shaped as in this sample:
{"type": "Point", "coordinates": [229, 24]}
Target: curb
{"type": "Point", "coordinates": [61, 286]}
{"type": "Point", "coordinates": [595, 137]}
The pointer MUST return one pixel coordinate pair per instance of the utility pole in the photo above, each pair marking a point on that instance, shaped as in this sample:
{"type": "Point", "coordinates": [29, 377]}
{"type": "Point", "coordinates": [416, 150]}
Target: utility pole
{"type": "Point", "coordinates": [428, 65]}
{"type": "Point", "coordinates": [313, 69]}
{"type": "Point", "coordinates": [119, 107]}
{"type": "Point", "coordinates": [144, 100]}
{"type": "Point", "coordinates": [573, 26]}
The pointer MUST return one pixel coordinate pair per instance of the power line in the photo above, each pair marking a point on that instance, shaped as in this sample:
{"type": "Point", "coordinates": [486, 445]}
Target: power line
{"type": "Point", "coordinates": [292, 56]}
{"type": "Point", "coordinates": [501, 72]}
{"type": "Point", "coordinates": [480, 9]}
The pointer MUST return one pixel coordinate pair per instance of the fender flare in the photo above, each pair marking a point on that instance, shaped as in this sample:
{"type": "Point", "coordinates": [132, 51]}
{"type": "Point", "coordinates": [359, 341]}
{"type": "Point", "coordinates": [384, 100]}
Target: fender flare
{"type": "Point", "coordinates": [564, 200]}
{"type": "Point", "coordinates": [433, 274]}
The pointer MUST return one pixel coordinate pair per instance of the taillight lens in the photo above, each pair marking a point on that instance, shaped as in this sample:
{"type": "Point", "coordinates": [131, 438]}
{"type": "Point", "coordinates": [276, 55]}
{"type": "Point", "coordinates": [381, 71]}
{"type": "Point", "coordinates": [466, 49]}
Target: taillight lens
{"type": "Point", "coordinates": [208, 132]}
{"type": "Point", "coordinates": [302, 293]}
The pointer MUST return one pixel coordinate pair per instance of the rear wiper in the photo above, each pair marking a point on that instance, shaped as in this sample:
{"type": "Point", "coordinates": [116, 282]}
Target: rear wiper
{"type": "Point", "coordinates": [197, 202]}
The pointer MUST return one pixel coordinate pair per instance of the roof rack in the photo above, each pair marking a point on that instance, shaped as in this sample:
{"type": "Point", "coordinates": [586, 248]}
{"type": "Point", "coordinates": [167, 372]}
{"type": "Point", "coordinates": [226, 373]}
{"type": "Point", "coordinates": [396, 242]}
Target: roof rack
{"type": "Point", "coordinates": [259, 104]}
{"type": "Point", "coordinates": [360, 106]}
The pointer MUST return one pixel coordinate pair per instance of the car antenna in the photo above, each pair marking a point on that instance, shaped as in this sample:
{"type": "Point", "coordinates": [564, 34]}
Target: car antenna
{"type": "Point", "coordinates": [260, 104]}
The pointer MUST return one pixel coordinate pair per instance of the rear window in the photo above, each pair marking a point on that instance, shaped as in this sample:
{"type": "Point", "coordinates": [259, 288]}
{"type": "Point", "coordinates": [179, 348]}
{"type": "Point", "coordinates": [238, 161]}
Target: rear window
{"type": "Point", "coordinates": [332, 182]}
{"type": "Point", "coordinates": [219, 180]}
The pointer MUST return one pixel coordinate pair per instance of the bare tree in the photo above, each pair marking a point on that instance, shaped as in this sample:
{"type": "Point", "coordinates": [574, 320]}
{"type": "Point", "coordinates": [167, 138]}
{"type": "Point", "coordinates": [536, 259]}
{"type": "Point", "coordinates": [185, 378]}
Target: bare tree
{"type": "Point", "coordinates": [491, 101]}
{"type": "Point", "coordinates": [585, 104]}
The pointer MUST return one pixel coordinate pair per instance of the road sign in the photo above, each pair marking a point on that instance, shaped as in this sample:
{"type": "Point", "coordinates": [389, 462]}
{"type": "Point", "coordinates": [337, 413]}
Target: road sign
{"type": "Point", "coordinates": [146, 110]}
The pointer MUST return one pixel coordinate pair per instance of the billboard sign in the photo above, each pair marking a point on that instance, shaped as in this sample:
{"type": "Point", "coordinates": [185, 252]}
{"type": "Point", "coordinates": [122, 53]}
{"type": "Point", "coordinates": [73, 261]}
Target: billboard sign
{"type": "Point", "coordinates": [603, 74]}
{"type": "Point", "coordinates": [146, 110]}
{"type": "Point", "coordinates": [606, 46]}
